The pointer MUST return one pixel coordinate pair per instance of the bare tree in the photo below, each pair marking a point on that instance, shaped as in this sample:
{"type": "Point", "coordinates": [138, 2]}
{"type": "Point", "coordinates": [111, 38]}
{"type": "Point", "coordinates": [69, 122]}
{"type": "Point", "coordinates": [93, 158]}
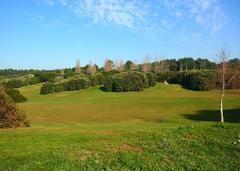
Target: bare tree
{"type": "Point", "coordinates": [119, 65]}
{"type": "Point", "coordinates": [223, 56]}
{"type": "Point", "coordinates": [108, 65]}
{"type": "Point", "coordinates": [91, 69]}
{"type": "Point", "coordinates": [78, 68]}
{"type": "Point", "coordinates": [146, 64]}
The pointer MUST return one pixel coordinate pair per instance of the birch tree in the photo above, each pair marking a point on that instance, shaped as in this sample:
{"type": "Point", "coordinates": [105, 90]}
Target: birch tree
{"type": "Point", "coordinates": [223, 56]}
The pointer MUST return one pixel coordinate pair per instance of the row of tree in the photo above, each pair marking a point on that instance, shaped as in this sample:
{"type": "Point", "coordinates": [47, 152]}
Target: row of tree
{"type": "Point", "coordinates": [183, 64]}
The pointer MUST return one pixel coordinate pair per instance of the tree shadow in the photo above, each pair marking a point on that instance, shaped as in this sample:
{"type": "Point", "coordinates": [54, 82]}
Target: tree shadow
{"type": "Point", "coordinates": [230, 115]}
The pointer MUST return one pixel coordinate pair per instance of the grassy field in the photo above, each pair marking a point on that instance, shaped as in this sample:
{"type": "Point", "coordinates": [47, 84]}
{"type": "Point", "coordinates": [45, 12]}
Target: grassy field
{"type": "Point", "coordinates": [162, 128]}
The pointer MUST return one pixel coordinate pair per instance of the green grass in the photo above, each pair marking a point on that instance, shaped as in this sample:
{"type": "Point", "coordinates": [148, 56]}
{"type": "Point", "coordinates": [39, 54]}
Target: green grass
{"type": "Point", "coordinates": [161, 128]}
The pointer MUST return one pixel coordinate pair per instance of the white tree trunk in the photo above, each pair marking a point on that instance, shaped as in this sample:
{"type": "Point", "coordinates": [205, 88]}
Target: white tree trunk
{"type": "Point", "coordinates": [221, 106]}
{"type": "Point", "coordinates": [222, 94]}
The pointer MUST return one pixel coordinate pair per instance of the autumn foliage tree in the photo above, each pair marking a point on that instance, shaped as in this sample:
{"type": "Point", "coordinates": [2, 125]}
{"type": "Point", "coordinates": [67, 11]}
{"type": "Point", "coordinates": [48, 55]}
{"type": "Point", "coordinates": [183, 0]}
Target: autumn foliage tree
{"type": "Point", "coordinates": [10, 115]}
{"type": "Point", "coordinates": [108, 65]}
{"type": "Point", "coordinates": [92, 68]}
{"type": "Point", "coordinates": [78, 68]}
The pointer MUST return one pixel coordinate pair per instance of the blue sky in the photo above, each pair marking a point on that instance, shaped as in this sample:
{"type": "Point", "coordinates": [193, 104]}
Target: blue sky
{"type": "Point", "coordinates": [48, 34]}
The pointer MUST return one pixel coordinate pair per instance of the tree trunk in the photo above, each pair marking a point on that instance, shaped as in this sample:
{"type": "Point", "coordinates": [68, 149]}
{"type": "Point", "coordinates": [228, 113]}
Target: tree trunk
{"type": "Point", "coordinates": [221, 107]}
{"type": "Point", "coordinates": [222, 94]}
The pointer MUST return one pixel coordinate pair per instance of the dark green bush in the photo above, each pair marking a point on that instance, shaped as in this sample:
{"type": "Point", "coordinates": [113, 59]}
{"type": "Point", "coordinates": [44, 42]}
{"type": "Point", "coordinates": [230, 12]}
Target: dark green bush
{"type": "Point", "coordinates": [47, 88]}
{"type": "Point", "coordinates": [34, 80]}
{"type": "Point", "coordinates": [152, 79]}
{"type": "Point", "coordinates": [194, 80]}
{"type": "Point", "coordinates": [15, 95]}
{"type": "Point", "coordinates": [46, 76]}
{"type": "Point", "coordinates": [96, 79]}
{"type": "Point", "coordinates": [126, 81]}
{"type": "Point", "coordinates": [15, 83]}
{"type": "Point", "coordinates": [107, 84]}
{"type": "Point", "coordinates": [63, 86]}
{"type": "Point", "coordinates": [78, 83]}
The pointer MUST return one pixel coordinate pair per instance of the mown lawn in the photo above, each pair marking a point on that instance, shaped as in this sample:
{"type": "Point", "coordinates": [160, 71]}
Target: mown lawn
{"type": "Point", "coordinates": [161, 128]}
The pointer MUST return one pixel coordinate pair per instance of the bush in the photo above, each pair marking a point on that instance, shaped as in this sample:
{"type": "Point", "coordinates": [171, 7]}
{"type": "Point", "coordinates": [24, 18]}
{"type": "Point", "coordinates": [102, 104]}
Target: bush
{"type": "Point", "coordinates": [46, 76]}
{"type": "Point", "coordinates": [79, 83]}
{"type": "Point", "coordinates": [107, 84]}
{"type": "Point", "coordinates": [34, 80]}
{"type": "Point", "coordinates": [47, 88]}
{"type": "Point", "coordinates": [96, 79]}
{"type": "Point", "coordinates": [152, 79]}
{"type": "Point", "coordinates": [15, 83]}
{"type": "Point", "coordinates": [15, 95]}
{"type": "Point", "coordinates": [200, 80]}
{"type": "Point", "coordinates": [126, 81]}
{"type": "Point", "coordinates": [10, 115]}
{"type": "Point", "coordinates": [63, 86]}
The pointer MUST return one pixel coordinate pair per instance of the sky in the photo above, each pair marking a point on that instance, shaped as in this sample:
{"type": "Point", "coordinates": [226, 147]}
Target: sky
{"type": "Point", "coordinates": [51, 34]}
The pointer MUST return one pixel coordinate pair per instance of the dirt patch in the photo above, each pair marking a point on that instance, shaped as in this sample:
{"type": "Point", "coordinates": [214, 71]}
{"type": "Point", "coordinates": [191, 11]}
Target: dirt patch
{"type": "Point", "coordinates": [80, 155]}
{"type": "Point", "coordinates": [126, 147]}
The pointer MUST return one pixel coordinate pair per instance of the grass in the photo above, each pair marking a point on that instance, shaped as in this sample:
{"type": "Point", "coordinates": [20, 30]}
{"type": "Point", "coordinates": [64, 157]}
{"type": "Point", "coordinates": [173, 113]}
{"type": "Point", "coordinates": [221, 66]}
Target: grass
{"type": "Point", "coordinates": [161, 128]}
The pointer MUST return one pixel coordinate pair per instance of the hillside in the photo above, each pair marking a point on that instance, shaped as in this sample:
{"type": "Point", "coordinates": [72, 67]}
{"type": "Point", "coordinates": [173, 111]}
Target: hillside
{"type": "Point", "coordinates": [150, 130]}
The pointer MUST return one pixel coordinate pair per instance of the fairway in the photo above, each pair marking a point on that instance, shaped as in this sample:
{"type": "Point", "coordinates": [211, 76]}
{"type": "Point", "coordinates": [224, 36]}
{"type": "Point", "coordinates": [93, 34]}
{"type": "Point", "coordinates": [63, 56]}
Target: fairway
{"type": "Point", "coordinates": [164, 127]}
{"type": "Point", "coordinates": [163, 104]}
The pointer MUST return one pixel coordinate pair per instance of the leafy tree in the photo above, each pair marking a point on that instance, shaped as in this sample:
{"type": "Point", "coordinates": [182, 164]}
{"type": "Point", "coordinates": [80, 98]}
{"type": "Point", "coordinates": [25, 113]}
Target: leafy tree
{"type": "Point", "coordinates": [10, 115]}
{"type": "Point", "coordinates": [47, 88]}
{"type": "Point", "coordinates": [128, 65]}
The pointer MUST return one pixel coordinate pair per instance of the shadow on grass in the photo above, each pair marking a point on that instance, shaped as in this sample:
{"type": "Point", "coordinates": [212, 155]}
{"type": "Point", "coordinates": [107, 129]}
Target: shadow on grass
{"type": "Point", "coordinates": [230, 115]}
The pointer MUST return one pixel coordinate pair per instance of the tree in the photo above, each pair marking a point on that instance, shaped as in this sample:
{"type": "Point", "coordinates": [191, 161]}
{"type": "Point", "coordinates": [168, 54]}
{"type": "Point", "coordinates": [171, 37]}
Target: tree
{"type": "Point", "coordinates": [119, 65]}
{"type": "Point", "coordinates": [146, 67]}
{"type": "Point", "coordinates": [92, 68]}
{"type": "Point", "coordinates": [78, 68]}
{"type": "Point", "coordinates": [164, 65]}
{"type": "Point", "coordinates": [223, 56]}
{"type": "Point", "coordinates": [128, 65]}
{"type": "Point", "coordinates": [108, 65]}
{"type": "Point", "coordinates": [10, 115]}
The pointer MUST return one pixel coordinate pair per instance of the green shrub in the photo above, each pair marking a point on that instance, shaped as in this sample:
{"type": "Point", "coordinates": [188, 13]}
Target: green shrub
{"type": "Point", "coordinates": [15, 95]}
{"type": "Point", "coordinates": [65, 85]}
{"type": "Point", "coordinates": [15, 83]}
{"type": "Point", "coordinates": [126, 81]}
{"type": "Point", "coordinates": [46, 76]}
{"type": "Point", "coordinates": [47, 88]}
{"type": "Point", "coordinates": [194, 80]}
{"type": "Point", "coordinates": [152, 79]}
{"type": "Point", "coordinates": [78, 83]}
{"type": "Point", "coordinates": [107, 84]}
{"type": "Point", "coordinates": [62, 86]}
{"type": "Point", "coordinates": [96, 79]}
{"type": "Point", "coordinates": [34, 80]}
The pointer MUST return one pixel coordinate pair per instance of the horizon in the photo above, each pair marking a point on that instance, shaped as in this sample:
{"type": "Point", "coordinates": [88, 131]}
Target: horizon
{"type": "Point", "coordinates": [52, 34]}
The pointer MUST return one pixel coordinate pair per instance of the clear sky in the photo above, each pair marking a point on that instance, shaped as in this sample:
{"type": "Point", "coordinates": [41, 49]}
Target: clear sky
{"type": "Point", "coordinates": [48, 34]}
